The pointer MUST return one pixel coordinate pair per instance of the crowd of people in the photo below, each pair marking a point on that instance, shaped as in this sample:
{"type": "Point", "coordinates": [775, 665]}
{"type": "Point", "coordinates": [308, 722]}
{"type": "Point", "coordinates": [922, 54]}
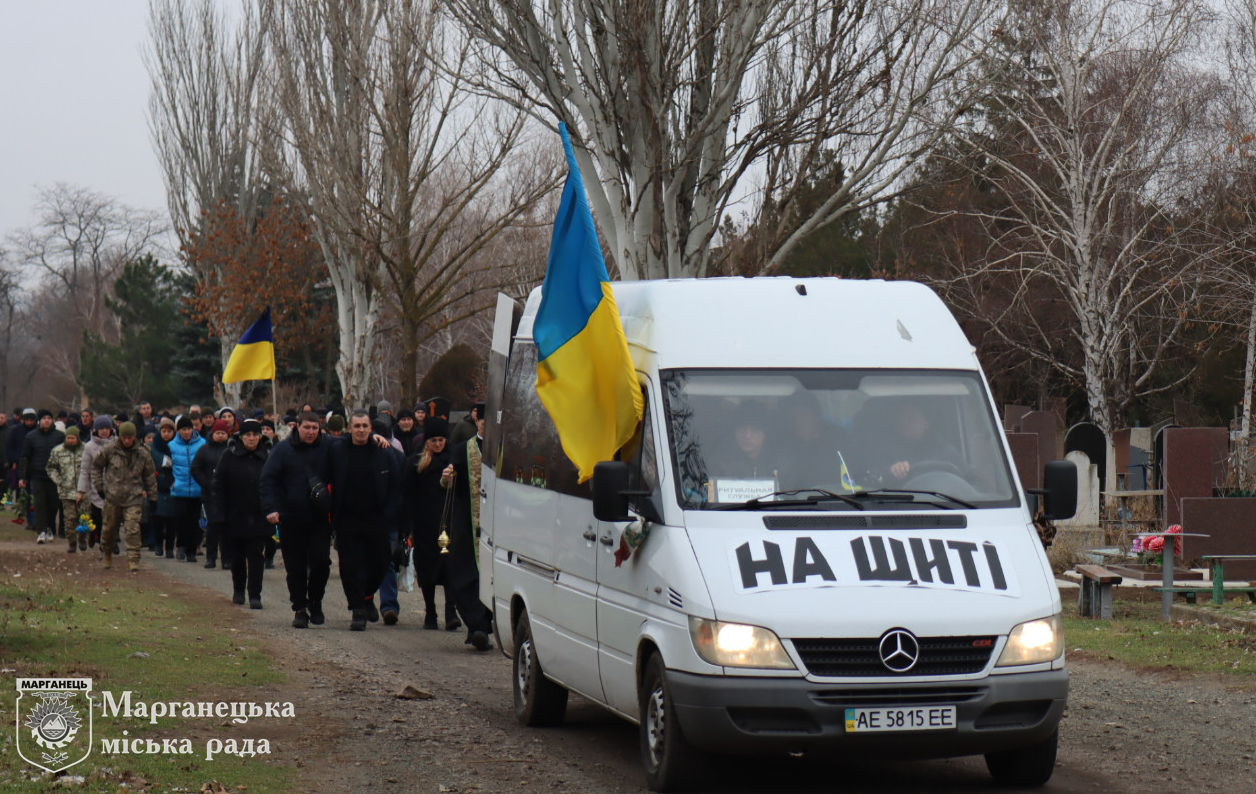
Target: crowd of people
{"type": "Point", "coordinates": [384, 489]}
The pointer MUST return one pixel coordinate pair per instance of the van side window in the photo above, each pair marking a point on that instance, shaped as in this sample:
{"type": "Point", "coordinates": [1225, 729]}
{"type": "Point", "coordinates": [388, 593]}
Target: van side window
{"type": "Point", "coordinates": [531, 453]}
{"type": "Point", "coordinates": [639, 453]}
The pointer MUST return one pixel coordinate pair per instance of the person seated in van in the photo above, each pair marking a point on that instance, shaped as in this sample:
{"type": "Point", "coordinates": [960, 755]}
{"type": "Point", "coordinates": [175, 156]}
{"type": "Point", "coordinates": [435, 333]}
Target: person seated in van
{"type": "Point", "coordinates": [816, 450]}
{"type": "Point", "coordinates": [913, 447]}
{"type": "Point", "coordinates": [752, 455]}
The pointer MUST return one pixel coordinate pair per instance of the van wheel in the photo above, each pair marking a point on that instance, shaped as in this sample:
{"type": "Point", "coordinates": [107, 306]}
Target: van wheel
{"type": "Point", "coordinates": [671, 762]}
{"type": "Point", "coordinates": [538, 700]}
{"type": "Point", "coordinates": [1024, 766]}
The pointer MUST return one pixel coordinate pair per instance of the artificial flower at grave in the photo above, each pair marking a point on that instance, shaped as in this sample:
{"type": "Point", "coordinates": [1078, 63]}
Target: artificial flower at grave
{"type": "Point", "coordinates": [1150, 550]}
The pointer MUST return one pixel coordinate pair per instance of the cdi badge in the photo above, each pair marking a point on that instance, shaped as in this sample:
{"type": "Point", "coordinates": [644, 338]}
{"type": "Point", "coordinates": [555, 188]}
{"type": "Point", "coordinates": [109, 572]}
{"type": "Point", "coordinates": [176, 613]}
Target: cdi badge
{"type": "Point", "coordinates": [51, 716]}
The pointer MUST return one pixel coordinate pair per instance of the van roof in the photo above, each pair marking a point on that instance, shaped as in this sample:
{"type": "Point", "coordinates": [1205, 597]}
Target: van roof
{"type": "Point", "coordinates": [784, 322]}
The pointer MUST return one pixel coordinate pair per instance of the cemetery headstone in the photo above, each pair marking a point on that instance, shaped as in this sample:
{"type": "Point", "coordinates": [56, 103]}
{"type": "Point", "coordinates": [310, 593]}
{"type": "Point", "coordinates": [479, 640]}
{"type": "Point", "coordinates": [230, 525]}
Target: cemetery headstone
{"type": "Point", "coordinates": [1193, 464]}
{"type": "Point", "coordinates": [1025, 457]}
{"type": "Point", "coordinates": [1231, 528]}
{"type": "Point", "coordinates": [1088, 438]}
{"type": "Point", "coordinates": [1047, 427]}
{"type": "Point", "coordinates": [1087, 516]}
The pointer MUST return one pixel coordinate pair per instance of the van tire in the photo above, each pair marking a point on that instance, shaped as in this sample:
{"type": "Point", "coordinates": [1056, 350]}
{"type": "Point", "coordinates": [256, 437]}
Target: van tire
{"type": "Point", "coordinates": [671, 763]}
{"type": "Point", "coordinates": [538, 700]}
{"type": "Point", "coordinates": [1024, 767]}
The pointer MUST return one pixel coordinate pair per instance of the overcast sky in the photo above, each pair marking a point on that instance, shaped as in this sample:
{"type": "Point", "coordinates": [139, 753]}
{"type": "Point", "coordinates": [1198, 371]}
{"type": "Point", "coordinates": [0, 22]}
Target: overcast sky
{"type": "Point", "coordinates": [73, 103]}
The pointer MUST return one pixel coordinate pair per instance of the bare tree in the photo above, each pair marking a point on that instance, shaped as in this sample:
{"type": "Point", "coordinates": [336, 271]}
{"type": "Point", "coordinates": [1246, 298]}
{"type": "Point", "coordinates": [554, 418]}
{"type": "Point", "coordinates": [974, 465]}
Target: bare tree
{"type": "Point", "coordinates": [408, 175]}
{"type": "Point", "coordinates": [10, 295]}
{"type": "Point", "coordinates": [77, 246]}
{"type": "Point", "coordinates": [206, 72]}
{"type": "Point", "coordinates": [1097, 140]}
{"type": "Point", "coordinates": [1234, 174]}
{"type": "Point", "coordinates": [684, 110]}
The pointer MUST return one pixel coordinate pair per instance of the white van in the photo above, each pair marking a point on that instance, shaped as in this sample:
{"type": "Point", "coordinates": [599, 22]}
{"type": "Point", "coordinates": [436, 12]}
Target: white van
{"type": "Point", "coordinates": [839, 556]}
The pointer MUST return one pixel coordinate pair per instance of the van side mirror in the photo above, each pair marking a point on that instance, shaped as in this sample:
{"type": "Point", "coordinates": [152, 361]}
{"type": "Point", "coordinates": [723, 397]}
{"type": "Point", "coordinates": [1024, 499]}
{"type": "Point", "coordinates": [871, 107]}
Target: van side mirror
{"type": "Point", "coordinates": [1059, 478]}
{"type": "Point", "coordinates": [610, 491]}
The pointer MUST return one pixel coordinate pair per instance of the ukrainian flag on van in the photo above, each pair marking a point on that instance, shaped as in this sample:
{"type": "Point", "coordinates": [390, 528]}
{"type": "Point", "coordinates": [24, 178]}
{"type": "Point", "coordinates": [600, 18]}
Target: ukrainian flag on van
{"type": "Point", "coordinates": [584, 373]}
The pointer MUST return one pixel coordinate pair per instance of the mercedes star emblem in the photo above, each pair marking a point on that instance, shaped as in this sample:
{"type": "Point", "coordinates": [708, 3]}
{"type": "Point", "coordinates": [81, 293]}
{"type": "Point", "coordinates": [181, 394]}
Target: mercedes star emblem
{"type": "Point", "coordinates": [899, 650]}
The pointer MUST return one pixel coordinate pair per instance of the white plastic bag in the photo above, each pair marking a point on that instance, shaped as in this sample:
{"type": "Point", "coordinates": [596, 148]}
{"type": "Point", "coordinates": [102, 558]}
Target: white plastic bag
{"type": "Point", "coordinates": [408, 582]}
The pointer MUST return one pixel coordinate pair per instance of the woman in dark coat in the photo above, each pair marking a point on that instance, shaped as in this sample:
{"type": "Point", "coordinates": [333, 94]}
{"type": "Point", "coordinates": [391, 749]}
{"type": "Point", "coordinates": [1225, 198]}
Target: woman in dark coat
{"type": "Point", "coordinates": [426, 502]}
{"type": "Point", "coordinates": [203, 466]}
{"type": "Point", "coordinates": [237, 496]}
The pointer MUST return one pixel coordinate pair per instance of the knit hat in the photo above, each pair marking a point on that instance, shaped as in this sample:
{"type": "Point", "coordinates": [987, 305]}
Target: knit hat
{"type": "Point", "coordinates": [184, 421]}
{"type": "Point", "coordinates": [268, 423]}
{"type": "Point", "coordinates": [383, 405]}
{"type": "Point", "coordinates": [226, 408]}
{"type": "Point", "coordinates": [126, 429]}
{"type": "Point", "coordinates": [102, 423]}
{"type": "Point", "coordinates": [28, 412]}
{"type": "Point", "coordinates": [72, 431]}
{"type": "Point", "coordinates": [405, 413]}
{"type": "Point", "coordinates": [165, 422]}
{"type": "Point", "coordinates": [249, 426]}
{"type": "Point", "coordinates": [336, 423]}
{"type": "Point", "coordinates": [435, 427]}
{"type": "Point", "coordinates": [220, 424]}
{"type": "Point", "coordinates": [43, 412]}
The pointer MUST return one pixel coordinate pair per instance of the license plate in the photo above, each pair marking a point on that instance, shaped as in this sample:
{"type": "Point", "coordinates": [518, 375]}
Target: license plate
{"type": "Point", "coordinates": [919, 718]}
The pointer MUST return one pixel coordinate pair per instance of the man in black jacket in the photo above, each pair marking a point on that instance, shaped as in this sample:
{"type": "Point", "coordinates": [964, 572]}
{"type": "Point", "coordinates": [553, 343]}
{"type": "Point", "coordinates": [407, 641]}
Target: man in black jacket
{"type": "Point", "coordinates": [304, 532]}
{"type": "Point", "coordinates": [13, 455]}
{"type": "Point", "coordinates": [36, 447]}
{"type": "Point", "coordinates": [365, 484]}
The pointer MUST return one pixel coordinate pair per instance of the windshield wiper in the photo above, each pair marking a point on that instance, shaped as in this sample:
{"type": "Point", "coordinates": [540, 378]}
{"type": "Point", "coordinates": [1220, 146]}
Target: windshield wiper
{"type": "Point", "coordinates": [891, 492]}
{"type": "Point", "coordinates": [762, 501]}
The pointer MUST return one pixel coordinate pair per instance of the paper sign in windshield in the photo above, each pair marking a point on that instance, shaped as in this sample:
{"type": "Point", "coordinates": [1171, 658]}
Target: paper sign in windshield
{"type": "Point", "coordinates": [872, 560]}
{"type": "Point", "coordinates": [730, 491]}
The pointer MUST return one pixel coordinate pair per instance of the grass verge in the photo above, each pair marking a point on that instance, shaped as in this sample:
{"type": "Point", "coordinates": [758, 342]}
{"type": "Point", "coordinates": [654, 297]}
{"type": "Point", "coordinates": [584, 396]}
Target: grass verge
{"type": "Point", "coordinates": [1138, 636]}
{"type": "Point", "coordinates": [67, 620]}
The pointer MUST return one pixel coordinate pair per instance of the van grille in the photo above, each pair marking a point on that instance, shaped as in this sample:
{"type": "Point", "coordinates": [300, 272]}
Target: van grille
{"type": "Point", "coordinates": [859, 657]}
{"type": "Point", "coordinates": [869, 521]}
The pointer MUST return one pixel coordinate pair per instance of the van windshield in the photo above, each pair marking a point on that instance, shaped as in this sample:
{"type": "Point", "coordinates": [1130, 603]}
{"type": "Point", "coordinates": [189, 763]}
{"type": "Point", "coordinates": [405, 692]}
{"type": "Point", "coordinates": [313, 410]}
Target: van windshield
{"type": "Point", "coordinates": [890, 438]}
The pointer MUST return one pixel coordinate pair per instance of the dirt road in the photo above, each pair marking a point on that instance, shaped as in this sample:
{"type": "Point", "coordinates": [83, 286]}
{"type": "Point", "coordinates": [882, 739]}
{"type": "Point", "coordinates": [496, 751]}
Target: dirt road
{"type": "Point", "coordinates": [1125, 731]}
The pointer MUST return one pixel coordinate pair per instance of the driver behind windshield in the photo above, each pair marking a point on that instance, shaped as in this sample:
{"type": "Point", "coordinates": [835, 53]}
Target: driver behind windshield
{"type": "Point", "coordinates": [912, 447]}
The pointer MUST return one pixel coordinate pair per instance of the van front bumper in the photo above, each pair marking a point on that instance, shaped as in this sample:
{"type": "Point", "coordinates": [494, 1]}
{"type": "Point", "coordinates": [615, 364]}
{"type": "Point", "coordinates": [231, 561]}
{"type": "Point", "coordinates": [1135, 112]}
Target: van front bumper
{"type": "Point", "coordinates": [768, 715]}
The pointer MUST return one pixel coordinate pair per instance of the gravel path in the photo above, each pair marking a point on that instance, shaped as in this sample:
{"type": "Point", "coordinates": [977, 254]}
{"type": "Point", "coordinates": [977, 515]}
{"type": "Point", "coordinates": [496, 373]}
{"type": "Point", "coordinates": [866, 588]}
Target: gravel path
{"type": "Point", "coordinates": [1125, 730]}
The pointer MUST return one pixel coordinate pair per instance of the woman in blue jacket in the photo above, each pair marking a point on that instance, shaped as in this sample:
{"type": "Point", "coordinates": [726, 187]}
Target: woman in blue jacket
{"type": "Point", "coordinates": [186, 492]}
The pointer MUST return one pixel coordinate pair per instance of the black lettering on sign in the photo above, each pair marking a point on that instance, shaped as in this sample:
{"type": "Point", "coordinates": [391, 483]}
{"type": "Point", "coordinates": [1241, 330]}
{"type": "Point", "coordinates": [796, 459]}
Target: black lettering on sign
{"type": "Point", "coordinates": [966, 553]}
{"type": "Point", "coordinates": [925, 565]}
{"type": "Point", "coordinates": [880, 569]}
{"type": "Point", "coordinates": [996, 567]}
{"type": "Point", "coordinates": [773, 564]}
{"type": "Point", "coordinates": [808, 561]}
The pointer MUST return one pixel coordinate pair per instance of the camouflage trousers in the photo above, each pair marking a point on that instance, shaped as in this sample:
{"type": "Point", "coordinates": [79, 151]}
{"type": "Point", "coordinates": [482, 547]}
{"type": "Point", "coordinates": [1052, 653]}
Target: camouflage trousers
{"type": "Point", "coordinates": [69, 524]}
{"type": "Point", "coordinates": [129, 518]}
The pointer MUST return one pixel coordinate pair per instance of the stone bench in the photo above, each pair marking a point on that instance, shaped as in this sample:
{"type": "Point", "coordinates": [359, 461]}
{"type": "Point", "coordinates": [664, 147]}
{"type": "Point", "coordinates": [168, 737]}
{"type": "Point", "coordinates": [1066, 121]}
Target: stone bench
{"type": "Point", "coordinates": [1094, 596]}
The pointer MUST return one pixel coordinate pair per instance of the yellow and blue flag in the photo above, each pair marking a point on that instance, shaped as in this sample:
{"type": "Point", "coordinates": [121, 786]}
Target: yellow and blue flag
{"type": "Point", "coordinates": [253, 357]}
{"type": "Point", "coordinates": [584, 373]}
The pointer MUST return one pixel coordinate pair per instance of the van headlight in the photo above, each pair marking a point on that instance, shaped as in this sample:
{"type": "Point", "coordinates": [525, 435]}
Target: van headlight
{"type": "Point", "coordinates": [1034, 642]}
{"type": "Point", "coordinates": [737, 645]}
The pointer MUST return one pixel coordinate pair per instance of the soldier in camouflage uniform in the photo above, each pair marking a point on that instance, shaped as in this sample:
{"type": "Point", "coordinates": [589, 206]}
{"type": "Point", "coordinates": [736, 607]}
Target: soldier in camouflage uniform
{"type": "Point", "coordinates": [63, 468]}
{"type": "Point", "coordinates": [124, 473]}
